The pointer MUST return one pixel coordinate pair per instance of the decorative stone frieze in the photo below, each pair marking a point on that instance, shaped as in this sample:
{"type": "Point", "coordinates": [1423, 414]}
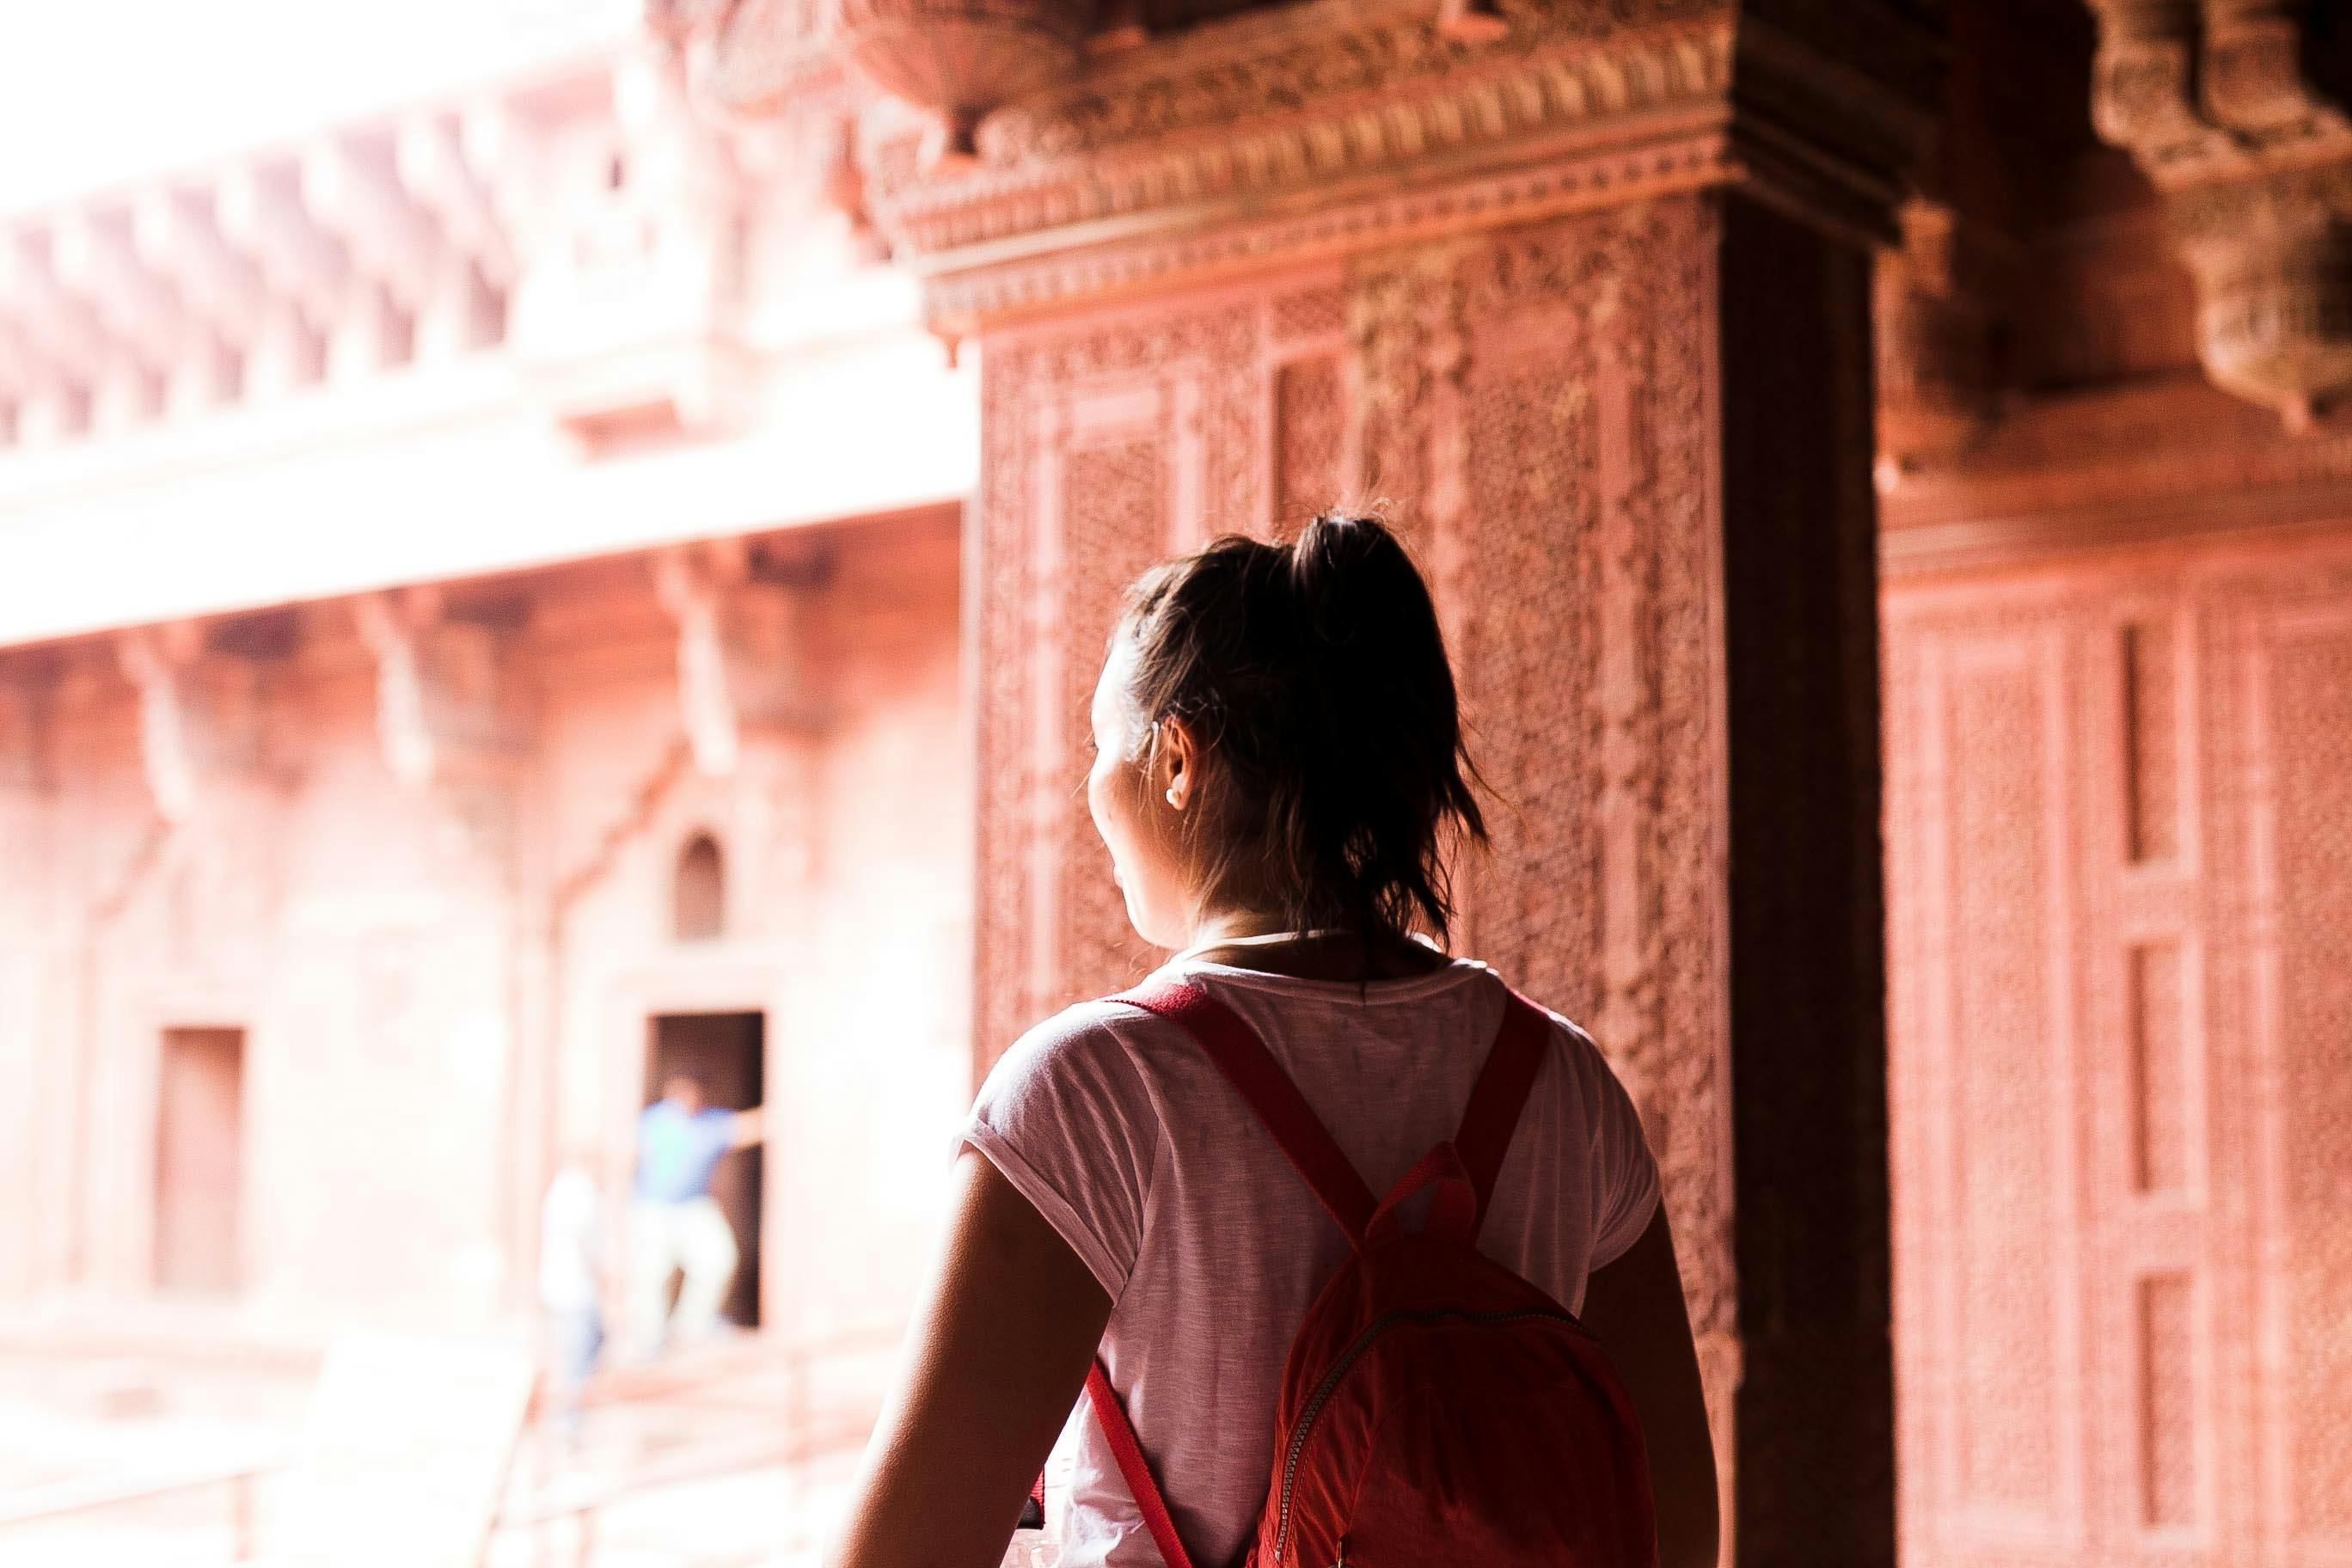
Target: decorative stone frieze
{"type": "Point", "coordinates": [2218, 102]}
{"type": "Point", "coordinates": [1289, 133]}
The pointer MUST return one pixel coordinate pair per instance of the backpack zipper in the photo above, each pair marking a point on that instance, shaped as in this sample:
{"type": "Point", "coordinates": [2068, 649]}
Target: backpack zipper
{"type": "Point", "coordinates": [1354, 1354]}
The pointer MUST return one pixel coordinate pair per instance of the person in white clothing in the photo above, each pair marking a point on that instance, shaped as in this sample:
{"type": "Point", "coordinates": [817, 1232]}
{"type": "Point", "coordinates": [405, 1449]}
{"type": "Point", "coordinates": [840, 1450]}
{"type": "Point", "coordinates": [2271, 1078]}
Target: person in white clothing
{"type": "Point", "coordinates": [571, 1282]}
{"type": "Point", "coordinates": [1278, 768]}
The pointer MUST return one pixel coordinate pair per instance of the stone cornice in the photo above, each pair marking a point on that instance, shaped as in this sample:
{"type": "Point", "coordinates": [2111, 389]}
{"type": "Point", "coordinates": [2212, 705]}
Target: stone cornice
{"type": "Point", "coordinates": [2127, 465]}
{"type": "Point", "coordinates": [1289, 131]}
{"type": "Point", "coordinates": [967, 291]}
{"type": "Point", "coordinates": [1299, 140]}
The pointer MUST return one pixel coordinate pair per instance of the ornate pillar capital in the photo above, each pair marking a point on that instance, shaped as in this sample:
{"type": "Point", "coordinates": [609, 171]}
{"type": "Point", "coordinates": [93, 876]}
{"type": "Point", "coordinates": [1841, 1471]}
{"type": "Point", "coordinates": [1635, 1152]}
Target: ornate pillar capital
{"type": "Point", "coordinates": [2221, 105]}
{"type": "Point", "coordinates": [1281, 135]}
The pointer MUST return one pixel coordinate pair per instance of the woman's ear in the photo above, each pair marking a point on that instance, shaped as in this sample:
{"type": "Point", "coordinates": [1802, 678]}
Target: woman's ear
{"type": "Point", "coordinates": [1176, 764]}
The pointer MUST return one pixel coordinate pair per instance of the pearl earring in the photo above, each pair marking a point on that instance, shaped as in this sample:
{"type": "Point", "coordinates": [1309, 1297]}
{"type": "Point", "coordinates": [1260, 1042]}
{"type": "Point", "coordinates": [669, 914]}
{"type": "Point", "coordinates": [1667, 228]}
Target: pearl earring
{"type": "Point", "coordinates": [1173, 800]}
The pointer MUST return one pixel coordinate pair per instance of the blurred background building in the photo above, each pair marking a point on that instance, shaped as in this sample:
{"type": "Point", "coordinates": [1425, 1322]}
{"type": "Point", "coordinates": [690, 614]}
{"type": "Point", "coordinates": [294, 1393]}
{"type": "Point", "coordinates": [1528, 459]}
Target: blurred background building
{"type": "Point", "coordinates": [539, 545]}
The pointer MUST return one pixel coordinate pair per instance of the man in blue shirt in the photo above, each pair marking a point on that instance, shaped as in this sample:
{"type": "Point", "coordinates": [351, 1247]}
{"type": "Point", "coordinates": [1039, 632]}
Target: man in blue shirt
{"type": "Point", "coordinates": [675, 1225]}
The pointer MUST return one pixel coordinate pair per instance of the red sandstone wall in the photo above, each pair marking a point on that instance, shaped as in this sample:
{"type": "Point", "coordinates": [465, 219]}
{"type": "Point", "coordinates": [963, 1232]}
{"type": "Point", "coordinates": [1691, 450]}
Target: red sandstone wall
{"type": "Point", "coordinates": [2119, 810]}
{"type": "Point", "coordinates": [443, 983]}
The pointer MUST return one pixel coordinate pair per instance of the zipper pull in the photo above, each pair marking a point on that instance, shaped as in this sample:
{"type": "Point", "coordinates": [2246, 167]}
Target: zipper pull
{"type": "Point", "coordinates": [1341, 1561]}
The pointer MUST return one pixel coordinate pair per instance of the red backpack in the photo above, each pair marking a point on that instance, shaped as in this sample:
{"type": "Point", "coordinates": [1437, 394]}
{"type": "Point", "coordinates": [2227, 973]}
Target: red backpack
{"type": "Point", "coordinates": [1436, 1407]}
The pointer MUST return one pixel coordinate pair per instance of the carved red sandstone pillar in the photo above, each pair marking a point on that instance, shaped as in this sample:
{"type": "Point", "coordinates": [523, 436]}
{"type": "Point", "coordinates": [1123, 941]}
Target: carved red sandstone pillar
{"type": "Point", "coordinates": [1588, 306]}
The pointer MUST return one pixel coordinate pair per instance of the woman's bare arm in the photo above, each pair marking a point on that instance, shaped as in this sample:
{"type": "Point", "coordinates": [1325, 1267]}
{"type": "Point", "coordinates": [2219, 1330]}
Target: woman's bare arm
{"type": "Point", "coordinates": [996, 1356]}
{"type": "Point", "coordinates": [1635, 1305]}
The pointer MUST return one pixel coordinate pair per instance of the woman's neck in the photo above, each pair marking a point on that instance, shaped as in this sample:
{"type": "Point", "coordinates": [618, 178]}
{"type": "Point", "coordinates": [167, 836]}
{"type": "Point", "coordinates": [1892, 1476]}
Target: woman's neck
{"type": "Point", "coordinates": [1261, 940]}
{"type": "Point", "coordinates": [1253, 926]}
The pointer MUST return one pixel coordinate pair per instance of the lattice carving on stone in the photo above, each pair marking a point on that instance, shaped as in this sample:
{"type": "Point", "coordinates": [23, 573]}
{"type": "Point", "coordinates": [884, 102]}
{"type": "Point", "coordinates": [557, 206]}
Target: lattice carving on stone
{"type": "Point", "coordinates": [1108, 443]}
{"type": "Point", "coordinates": [2161, 1076]}
{"type": "Point", "coordinates": [2309, 695]}
{"type": "Point", "coordinates": [2005, 1171]}
{"type": "Point", "coordinates": [2171, 1411]}
{"type": "Point", "coordinates": [1314, 393]}
{"type": "Point", "coordinates": [2177, 1244]}
{"type": "Point", "coordinates": [1114, 506]}
{"type": "Point", "coordinates": [2151, 740]}
{"type": "Point", "coordinates": [1405, 329]}
{"type": "Point", "coordinates": [1585, 542]}
{"type": "Point", "coordinates": [1309, 422]}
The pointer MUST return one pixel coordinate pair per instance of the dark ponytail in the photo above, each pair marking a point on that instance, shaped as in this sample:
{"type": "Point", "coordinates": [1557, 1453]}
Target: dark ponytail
{"type": "Point", "coordinates": [1314, 675]}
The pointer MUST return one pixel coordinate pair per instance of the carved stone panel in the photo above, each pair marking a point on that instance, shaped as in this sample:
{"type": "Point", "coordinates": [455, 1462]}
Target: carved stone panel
{"type": "Point", "coordinates": [2305, 884]}
{"type": "Point", "coordinates": [1110, 444]}
{"type": "Point", "coordinates": [2116, 850]}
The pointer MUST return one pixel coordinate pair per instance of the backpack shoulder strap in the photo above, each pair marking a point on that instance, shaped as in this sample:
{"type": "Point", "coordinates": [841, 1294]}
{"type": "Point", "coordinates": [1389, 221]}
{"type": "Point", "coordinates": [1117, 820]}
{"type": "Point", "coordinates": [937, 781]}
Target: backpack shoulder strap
{"type": "Point", "coordinates": [1500, 1094]}
{"type": "Point", "coordinates": [1134, 1467]}
{"type": "Point", "coordinates": [1270, 1094]}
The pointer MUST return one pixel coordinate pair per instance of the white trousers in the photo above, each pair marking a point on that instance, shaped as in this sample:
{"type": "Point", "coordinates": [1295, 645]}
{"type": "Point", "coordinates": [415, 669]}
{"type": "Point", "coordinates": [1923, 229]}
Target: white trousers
{"type": "Point", "coordinates": [690, 1239]}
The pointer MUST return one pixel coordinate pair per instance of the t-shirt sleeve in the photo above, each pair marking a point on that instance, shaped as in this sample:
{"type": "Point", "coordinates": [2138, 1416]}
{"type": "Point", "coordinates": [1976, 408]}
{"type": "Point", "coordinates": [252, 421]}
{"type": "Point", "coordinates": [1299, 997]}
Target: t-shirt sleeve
{"type": "Point", "coordinates": [1625, 1173]}
{"type": "Point", "coordinates": [1066, 1118]}
{"type": "Point", "coordinates": [717, 1128]}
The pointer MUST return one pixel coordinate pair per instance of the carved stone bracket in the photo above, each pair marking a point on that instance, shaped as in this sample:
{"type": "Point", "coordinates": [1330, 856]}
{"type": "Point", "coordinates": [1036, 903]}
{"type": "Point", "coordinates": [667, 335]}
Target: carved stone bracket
{"type": "Point", "coordinates": [2217, 101]}
{"type": "Point", "coordinates": [23, 734]}
{"type": "Point", "coordinates": [444, 694]}
{"type": "Point", "coordinates": [742, 654]}
{"type": "Point", "coordinates": [1937, 307]}
{"type": "Point", "coordinates": [199, 714]}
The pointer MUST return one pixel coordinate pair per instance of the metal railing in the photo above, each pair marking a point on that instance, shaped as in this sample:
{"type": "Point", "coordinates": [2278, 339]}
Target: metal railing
{"type": "Point", "coordinates": [60, 1500]}
{"type": "Point", "coordinates": [795, 1440]}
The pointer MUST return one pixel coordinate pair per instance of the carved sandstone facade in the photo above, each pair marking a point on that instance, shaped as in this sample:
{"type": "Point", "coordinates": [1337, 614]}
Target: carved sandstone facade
{"type": "Point", "coordinates": [1540, 283]}
{"type": "Point", "coordinates": [2117, 691]}
{"type": "Point", "coordinates": [1618, 309]}
{"type": "Point", "coordinates": [433, 554]}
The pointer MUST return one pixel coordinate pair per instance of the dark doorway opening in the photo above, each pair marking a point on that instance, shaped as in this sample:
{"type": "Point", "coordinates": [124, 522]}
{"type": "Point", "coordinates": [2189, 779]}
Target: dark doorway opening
{"type": "Point", "coordinates": [199, 1159]}
{"type": "Point", "coordinates": [726, 1053]}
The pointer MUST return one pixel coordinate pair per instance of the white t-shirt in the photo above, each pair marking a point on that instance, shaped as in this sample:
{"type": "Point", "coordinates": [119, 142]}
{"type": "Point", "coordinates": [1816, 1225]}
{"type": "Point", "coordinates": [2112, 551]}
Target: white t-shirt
{"type": "Point", "coordinates": [570, 1240]}
{"type": "Point", "coordinates": [1132, 1145]}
